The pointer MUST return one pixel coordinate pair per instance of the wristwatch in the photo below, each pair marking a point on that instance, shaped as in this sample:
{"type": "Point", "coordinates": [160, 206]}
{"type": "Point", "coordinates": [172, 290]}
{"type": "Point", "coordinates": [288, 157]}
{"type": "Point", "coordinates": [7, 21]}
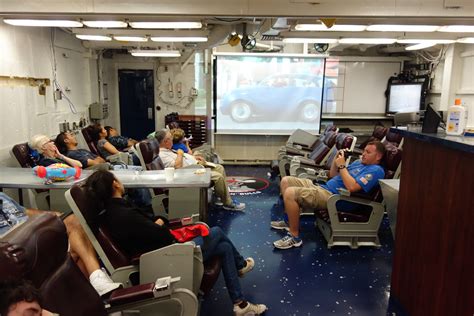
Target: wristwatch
{"type": "Point", "coordinates": [341, 167]}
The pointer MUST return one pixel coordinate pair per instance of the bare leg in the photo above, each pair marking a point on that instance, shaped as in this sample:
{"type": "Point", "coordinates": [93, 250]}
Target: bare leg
{"type": "Point", "coordinates": [283, 185]}
{"type": "Point", "coordinates": [292, 209]}
{"type": "Point", "coordinates": [80, 245]}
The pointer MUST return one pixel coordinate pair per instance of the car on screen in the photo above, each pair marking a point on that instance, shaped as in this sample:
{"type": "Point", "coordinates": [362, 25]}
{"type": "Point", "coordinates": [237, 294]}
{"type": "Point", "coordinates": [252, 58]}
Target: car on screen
{"type": "Point", "coordinates": [283, 96]}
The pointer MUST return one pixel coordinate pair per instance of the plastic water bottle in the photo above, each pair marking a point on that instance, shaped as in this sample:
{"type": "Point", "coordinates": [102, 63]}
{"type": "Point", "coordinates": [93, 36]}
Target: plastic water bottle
{"type": "Point", "coordinates": [457, 119]}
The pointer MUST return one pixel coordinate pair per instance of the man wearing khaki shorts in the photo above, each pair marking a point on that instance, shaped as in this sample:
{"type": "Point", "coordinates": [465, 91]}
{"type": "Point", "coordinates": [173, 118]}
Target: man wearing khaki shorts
{"type": "Point", "coordinates": [302, 193]}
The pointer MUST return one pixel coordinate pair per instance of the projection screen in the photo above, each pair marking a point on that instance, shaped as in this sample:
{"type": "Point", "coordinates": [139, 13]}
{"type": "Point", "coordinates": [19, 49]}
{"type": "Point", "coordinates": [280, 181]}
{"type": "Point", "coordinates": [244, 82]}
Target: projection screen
{"type": "Point", "coordinates": [267, 94]}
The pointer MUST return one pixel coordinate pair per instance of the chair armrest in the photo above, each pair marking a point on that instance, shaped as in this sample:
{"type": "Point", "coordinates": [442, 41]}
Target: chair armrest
{"type": "Point", "coordinates": [132, 294]}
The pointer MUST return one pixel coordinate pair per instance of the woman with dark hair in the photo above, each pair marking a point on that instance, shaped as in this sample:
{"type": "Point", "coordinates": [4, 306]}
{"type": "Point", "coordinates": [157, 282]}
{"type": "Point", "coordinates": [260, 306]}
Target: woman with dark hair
{"type": "Point", "coordinates": [98, 135]}
{"type": "Point", "coordinates": [137, 233]}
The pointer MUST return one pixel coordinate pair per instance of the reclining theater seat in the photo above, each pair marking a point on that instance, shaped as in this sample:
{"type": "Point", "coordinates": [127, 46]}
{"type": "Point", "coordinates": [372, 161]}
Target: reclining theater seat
{"type": "Point", "coordinates": [172, 203]}
{"type": "Point", "coordinates": [342, 141]}
{"type": "Point", "coordinates": [37, 251]}
{"type": "Point", "coordinates": [22, 153]}
{"type": "Point", "coordinates": [90, 143]}
{"type": "Point", "coordinates": [183, 260]}
{"type": "Point", "coordinates": [358, 227]}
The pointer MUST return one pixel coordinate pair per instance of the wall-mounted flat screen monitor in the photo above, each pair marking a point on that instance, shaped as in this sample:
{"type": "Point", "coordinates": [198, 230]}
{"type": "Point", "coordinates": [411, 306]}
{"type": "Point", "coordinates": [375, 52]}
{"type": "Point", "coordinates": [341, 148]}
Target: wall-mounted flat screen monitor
{"type": "Point", "coordinates": [406, 97]}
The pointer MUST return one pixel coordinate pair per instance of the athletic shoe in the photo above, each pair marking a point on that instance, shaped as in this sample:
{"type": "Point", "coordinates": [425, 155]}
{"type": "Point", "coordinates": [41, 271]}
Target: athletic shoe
{"type": "Point", "coordinates": [288, 242]}
{"type": "Point", "coordinates": [249, 264]}
{"type": "Point", "coordinates": [218, 202]}
{"type": "Point", "coordinates": [250, 309]}
{"type": "Point", "coordinates": [102, 283]}
{"type": "Point", "coordinates": [280, 225]}
{"type": "Point", "coordinates": [235, 206]}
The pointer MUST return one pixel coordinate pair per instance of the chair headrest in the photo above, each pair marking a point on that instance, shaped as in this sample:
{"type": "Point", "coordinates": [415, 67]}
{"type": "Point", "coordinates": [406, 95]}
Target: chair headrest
{"type": "Point", "coordinates": [379, 132]}
{"type": "Point", "coordinates": [393, 137]}
{"type": "Point", "coordinates": [392, 158]}
{"type": "Point", "coordinates": [90, 143]}
{"type": "Point", "coordinates": [330, 128]}
{"type": "Point", "coordinates": [149, 148]}
{"type": "Point", "coordinates": [329, 138]}
{"type": "Point", "coordinates": [24, 250]}
{"type": "Point", "coordinates": [24, 154]}
{"type": "Point", "coordinates": [344, 141]}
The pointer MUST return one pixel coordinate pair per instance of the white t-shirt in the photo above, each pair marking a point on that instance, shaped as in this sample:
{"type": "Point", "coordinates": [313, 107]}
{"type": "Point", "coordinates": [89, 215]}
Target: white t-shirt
{"type": "Point", "coordinates": [169, 158]}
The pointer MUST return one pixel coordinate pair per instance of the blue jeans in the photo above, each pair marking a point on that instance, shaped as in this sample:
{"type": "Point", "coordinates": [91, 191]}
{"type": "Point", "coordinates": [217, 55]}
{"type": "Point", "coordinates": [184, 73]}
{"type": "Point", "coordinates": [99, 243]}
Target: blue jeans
{"type": "Point", "coordinates": [218, 244]}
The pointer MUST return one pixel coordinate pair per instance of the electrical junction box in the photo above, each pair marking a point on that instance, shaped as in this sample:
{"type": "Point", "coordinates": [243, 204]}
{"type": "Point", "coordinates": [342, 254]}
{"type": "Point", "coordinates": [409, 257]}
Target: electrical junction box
{"type": "Point", "coordinates": [98, 111]}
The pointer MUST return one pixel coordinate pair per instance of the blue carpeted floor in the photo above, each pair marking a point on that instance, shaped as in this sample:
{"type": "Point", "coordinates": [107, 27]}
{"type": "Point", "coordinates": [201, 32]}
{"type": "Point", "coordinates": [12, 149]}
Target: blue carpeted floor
{"type": "Point", "coordinates": [310, 280]}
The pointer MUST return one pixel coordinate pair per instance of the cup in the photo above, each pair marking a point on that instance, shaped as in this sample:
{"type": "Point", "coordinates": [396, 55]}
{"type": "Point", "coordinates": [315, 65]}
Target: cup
{"type": "Point", "coordinates": [169, 174]}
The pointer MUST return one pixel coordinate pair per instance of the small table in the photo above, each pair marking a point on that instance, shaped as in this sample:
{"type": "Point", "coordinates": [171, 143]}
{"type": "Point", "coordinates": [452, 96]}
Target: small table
{"type": "Point", "coordinates": [390, 188]}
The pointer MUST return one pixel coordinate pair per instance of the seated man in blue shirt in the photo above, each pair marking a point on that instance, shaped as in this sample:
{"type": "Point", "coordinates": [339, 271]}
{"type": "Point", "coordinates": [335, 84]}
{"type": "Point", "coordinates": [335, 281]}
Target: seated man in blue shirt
{"type": "Point", "coordinates": [302, 193]}
{"type": "Point", "coordinates": [66, 143]}
{"type": "Point", "coordinates": [81, 249]}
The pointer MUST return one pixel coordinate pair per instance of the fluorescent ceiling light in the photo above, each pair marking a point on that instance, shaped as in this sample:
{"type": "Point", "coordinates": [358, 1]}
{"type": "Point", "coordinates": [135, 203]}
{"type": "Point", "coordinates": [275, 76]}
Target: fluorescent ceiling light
{"type": "Point", "coordinates": [335, 27]}
{"type": "Point", "coordinates": [420, 46]}
{"type": "Point", "coordinates": [155, 53]}
{"type": "Point", "coordinates": [179, 39]}
{"type": "Point", "coordinates": [367, 41]}
{"type": "Point", "coordinates": [420, 41]}
{"type": "Point", "coordinates": [309, 40]}
{"type": "Point", "coordinates": [466, 40]}
{"type": "Point", "coordinates": [45, 23]}
{"type": "Point", "coordinates": [166, 25]}
{"type": "Point", "coordinates": [457, 28]}
{"type": "Point", "coordinates": [131, 38]}
{"type": "Point", "coordinates": [107, 24]}
{"type": "Point", "coordinates": [402, 28]}
{"type": "Point", "coordinates": [93, 37]}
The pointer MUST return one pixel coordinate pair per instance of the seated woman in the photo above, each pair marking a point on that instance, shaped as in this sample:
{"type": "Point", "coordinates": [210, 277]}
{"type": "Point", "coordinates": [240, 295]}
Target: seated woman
{"type": "Point", "coordinates": [179, 142]}
{"type": "Point", "coordinates": [137, 233]}
{"type": "Point", "coordinates": [118, 141]}
{"type": "Point", "coordinates": [98, 135]}
{"type": "Point", "coordinates": [49, 153]}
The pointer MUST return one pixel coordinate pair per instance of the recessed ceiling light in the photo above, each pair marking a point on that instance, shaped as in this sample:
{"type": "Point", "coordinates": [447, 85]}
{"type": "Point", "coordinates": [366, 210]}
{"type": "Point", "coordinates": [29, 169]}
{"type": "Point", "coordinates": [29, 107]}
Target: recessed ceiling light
{"type": "Point", "coordinates": [367, 41]}
{"type": "Point", "coordinates": [335, 27]}
{"type": "Point", "coordinates": [93, 37]}
{"type": "Point", "coordinates": [155, 53]}
{"type": "Point", "coordinates": [466, 40]}
{"type": "Point", "coordinates": [402, 28]}
{"type": "Point", "coordinates": [420, 46]}
{"type": "Point", "coordinates": [457, 28]}
{"type": "Point", "coordinates": [43, 23]}
{"type": "Point", "coordinates": [420, 41]}
{"type": "Point", "coordinates": [179, 39]}
{"type": "Point", "coordinates": [166, 25]}
{"type": "Point", "coordinates": [107, 24]}
{"type": "Point", "coordinates": [309, 40]}
{"type": "Point", "coordinates": [131, 38]}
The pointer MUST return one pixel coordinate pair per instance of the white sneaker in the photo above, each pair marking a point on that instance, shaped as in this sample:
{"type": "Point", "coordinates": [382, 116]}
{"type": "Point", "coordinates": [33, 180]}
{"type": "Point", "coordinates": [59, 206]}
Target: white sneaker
{"type": "Point", "coordinates": [235, 206]}
{"type": "Point", "coordinates": [218, 202]}
{"type": "Point", "coordinates": [102, 283]}
{"type": "Point", "coordinates": [288, 242]}
{"type": "Point", "coordinates": [248, 267]}
{"type": "Point", "coordinates": [280, 225]}
{"type": "Point", "coordinates": [250, 309]}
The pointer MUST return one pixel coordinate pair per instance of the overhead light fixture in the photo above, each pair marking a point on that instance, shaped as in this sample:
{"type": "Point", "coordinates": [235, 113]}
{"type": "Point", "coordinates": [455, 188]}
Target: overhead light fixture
{"type": "Point", "coordinates": [420, 46]}
{"type": "Point", "coordinates": [166, 25]}
{"type": "Point", "coordinates": [466, 40]}
{"type": "Point", "coordinates": [93, 37]}
{"type": "Point", "coordinates": [179, 39]}
{"type": "Point", "coordinates": [106, 24]}
{"type": "Point", "coordinates": [131, 38]}
{"type": "Point", "coordinates": [155, 53]}
{"type": "Point", "coordinates": [43, 23]}
{"type": "Point", "coordinates": [402, 28]}
{"type": "Point", "coordinates": [335, 27]}
{"type": "Point", "coordinates": [420, 41]}
{"type": "Point", "coordinates": [457, 28]}
{"type": "Point", "coordinates": [309, 40]}
{"type": "Point", "coordinates": [368, 41]}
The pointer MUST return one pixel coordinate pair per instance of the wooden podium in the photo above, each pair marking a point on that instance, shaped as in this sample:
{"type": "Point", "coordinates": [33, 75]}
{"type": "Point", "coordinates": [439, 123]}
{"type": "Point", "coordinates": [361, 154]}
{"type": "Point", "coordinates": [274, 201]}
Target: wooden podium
{"type": "Point", "coordinates": [433, 267]}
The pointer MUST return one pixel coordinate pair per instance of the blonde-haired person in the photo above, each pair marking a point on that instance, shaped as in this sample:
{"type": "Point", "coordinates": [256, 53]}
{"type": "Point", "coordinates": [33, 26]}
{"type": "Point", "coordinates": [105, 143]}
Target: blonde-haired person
{"type": "Point", "coordinates": [49, 153]}
{"type": "Point", "coordinates": [179, 141]}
